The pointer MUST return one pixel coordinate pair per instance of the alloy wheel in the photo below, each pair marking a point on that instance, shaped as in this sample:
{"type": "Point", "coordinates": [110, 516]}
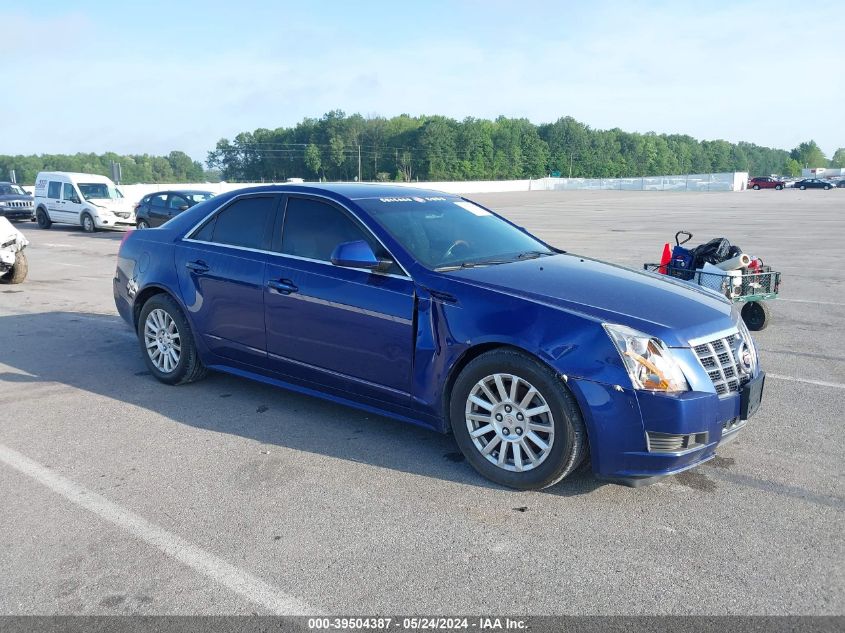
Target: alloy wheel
{"type": "Point", "coordinates": [510, 422]}
{"type": "Point", "coordinates": [162, 340]}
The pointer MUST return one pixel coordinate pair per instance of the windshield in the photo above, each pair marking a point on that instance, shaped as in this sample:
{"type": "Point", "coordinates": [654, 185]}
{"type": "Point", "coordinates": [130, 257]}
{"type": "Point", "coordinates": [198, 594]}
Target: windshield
{"type": "Point", "coordinates": [11, 190]}
{"type": "Point", "coordinates": [99, 191]}
{"type": "Point", "coordinates": [443, 232]}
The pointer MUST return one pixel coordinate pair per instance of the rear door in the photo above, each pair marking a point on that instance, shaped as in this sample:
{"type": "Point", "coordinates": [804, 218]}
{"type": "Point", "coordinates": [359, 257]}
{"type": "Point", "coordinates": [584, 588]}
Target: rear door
{"type": "Point", "coordinates": [221, 277]}
{"type": "Point", "coordinates": [349, 329]}
{"type": "Point", "coordinates": [54, 201]}
{"type": "Point", "coordinates": [157, 209]}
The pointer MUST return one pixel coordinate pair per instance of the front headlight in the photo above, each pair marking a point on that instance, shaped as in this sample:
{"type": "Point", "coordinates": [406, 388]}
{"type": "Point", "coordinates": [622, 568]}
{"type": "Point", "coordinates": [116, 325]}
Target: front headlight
{"type": "Point", "coordinates": [747, 363]}
{"type": "Point", "coordinates": [647, 359]}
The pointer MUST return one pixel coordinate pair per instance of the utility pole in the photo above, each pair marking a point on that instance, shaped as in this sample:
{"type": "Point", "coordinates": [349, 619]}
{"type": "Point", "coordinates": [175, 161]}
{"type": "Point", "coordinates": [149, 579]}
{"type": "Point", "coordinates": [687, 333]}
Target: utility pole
{"type": "Point", "coordinates": [570, 163]}
{"type": "Point", "coordinates": [359, 162]}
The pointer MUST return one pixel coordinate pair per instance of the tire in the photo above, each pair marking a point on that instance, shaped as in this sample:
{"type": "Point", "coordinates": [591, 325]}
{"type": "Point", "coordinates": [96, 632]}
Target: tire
{"type": "Point", "coordinates": [756, 187]}
{"type": "Point", "coordinates": [187, 366]}
{"type": "Point", "coordinates": [565, 440]}
{"type": "Point", "coordinates": [802, 187]}
{"type": "Point", "coordinates": [43, 219]}
{"type": "Point", "coordinates": [143, 224]}
{"type": "Point", "coordinates": [756, 315]}
{"type": "Point", "coordinates": [826, 187]}
{"type": "Point", "coordinates": [17, 273]}
{"type": "Point", "coordinates": [778, 187]}
{"type": "Point", "coordinates": [87, 222]}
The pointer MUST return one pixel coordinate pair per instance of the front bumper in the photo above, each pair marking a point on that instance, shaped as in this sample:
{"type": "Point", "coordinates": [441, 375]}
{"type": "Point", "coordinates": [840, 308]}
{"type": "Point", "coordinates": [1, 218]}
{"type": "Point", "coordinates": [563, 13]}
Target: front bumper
{"type": "Point", "coordinates": [18, 213]}
{"type": "Point", "coordinates": [115, 222]}
{"type": "Point", "coordinates": [637, 437]}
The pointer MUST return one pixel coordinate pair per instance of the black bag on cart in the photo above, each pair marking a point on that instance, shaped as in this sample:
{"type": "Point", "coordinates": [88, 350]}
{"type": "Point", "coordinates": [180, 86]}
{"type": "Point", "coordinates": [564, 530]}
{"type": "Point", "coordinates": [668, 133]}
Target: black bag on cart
{"type": "Point", "coordinates": [713, 252]}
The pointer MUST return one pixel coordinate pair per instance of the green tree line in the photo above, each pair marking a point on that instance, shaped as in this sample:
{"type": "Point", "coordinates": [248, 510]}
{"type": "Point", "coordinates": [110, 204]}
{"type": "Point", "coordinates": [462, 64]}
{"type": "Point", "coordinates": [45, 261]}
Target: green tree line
{"type": "Point", "coordinates": [336, 146]}
{"type": "Point", "coordinates": [175, 167]}
{"type": "Point", "coordinates": [409, 148]}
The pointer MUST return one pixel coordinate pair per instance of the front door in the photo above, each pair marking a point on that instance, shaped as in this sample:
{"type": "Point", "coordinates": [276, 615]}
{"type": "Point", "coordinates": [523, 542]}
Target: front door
{"type": "Point", "coordinates": [71, 204]}
{"type": "Point", "coordinates": [221, 278]}
{"type": "Point", "coordinates": [349, 329]}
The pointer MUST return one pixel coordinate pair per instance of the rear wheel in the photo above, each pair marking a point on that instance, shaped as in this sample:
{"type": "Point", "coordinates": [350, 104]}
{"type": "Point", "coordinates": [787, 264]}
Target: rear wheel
{"type": "Point", "coordinates": [17, 273]}
{"type": "Point", "coordinates": [756, 315]}
{"type": "Point", "coordinates": [43, 219]}
{"type": "Point", "coordinates": [802, 187]}
{"type": "Point", "coordinates": [88, 223]}
{"type": "Point", "coordinates": [167, 342]}
{"type": "Point", "coordinates": [756, 187]}
{"type": "Point", "coordinates": [515, 422]}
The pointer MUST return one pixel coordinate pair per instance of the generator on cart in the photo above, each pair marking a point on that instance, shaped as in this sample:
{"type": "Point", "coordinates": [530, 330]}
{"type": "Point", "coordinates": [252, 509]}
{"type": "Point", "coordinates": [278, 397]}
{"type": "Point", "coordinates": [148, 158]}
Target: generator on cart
{"type": "Point", "coordinates": [13, 264]}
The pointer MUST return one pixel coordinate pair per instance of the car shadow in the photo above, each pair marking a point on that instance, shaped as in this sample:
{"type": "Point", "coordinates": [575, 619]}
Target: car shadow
{"type": "Point", "coordinates": [42, 348]}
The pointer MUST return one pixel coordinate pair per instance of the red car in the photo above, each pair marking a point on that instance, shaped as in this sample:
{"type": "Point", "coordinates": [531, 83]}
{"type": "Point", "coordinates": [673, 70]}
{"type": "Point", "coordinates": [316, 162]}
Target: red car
{"type": "Point", "coordinates": [765, 183]}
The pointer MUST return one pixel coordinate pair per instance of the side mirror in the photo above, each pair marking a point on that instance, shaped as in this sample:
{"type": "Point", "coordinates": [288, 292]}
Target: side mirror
{"type": "Point", "coordinates": [358, 254]}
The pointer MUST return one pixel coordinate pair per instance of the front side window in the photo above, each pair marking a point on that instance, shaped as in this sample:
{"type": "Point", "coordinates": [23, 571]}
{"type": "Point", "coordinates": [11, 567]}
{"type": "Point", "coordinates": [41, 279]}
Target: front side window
{"type": "Point", "coordinates": [67, 191]}
{"type": "Point", "coordinates": [201, 196]}
{"type": "Point", "coordinates": [54, 190]}
{"type": "Point", "coordinates": [177, 202]}
{"type": "Point", "coordinates": [313, 229]}
{"type": "Point", "coordinates": [445, 231]}
{"type": "Point", "coordinates": [243, 223]}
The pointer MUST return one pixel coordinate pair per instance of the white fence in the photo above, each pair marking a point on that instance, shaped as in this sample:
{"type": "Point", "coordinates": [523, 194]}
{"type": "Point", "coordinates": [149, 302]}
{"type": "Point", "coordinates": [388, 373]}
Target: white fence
{"type": "Point", "coordinates": [691, 182]}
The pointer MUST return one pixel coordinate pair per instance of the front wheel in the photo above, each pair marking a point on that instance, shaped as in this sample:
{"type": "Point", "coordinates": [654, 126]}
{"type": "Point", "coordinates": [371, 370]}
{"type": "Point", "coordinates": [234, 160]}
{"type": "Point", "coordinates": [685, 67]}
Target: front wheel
{"type": "Point", "coordinates": [756, 315]}
{"type": "Point", "coordinates": [88, 223]}
{"type": "Point", "coordinates": [43, 219]}
{"type": "Point", "coordinates": [826, 187]}
{"type": "Point", "coordinates": [515, 422]}
{"type": "Point", "coordinates": [167, 342]}
{"type": "Point", "coordinates": [143, 224]}
{"type": "Point", "coordinates": [802, 187]}
{"type": "Point", "coordinates": [17, 273]}
{"type": "Point", "coordinates": [778, 187]}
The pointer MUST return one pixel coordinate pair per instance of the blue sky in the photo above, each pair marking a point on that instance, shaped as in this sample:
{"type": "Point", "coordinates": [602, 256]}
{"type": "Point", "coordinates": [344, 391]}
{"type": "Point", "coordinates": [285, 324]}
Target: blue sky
{"type": "Point", "coordinates": [137, 77]}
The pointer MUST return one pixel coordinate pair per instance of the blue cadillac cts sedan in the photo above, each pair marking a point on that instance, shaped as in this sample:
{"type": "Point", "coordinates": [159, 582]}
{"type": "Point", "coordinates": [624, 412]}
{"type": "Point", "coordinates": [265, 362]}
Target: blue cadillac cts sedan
{"type": "Point", "coordinates": [432, 309]}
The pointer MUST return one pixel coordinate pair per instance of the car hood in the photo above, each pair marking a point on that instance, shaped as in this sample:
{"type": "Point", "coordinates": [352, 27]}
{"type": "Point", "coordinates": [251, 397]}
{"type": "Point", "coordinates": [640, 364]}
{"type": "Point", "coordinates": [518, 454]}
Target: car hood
{"type": "Point", "coordinates": [111, 204]}
{"type": "Point", "coordinates": [15, 196]}
{"type": "Point", "coordinates": [672, 310]}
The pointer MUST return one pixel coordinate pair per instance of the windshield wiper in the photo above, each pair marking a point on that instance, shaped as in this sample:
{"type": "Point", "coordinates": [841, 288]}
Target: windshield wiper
{"type": "Point", "coordinates": [493, 261]}
{"type": "Point", "coordinates": [532, 254]}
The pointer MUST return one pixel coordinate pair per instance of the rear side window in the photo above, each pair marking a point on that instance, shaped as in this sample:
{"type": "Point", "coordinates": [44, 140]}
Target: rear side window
{"type": "Point", "coordinates": [54, 190]}
{"type": "Point", "coordinates": [158, 200]}
{"type": "Point", "coordinates": [243, 223]}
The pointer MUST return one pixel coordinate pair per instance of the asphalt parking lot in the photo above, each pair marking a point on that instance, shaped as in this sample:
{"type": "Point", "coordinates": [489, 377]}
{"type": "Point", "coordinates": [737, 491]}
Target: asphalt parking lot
{"type": "Point", "coordinates": [122, 495]}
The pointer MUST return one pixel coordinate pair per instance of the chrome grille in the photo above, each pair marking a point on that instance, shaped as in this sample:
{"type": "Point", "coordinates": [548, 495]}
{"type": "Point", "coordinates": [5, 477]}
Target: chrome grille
{"type": "Point", "coordinates": [18, 204]}
{"type": "Point", "coordinates": [719, 361]}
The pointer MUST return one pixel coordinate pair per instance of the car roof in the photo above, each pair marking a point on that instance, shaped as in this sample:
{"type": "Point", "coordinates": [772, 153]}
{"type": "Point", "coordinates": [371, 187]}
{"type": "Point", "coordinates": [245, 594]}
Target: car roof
{"type": "Point", "coordinates": [155, 193]}
{"type": "Point", "coordinates": [353, 191]}
{"type": "Point", "coordinates": [75, 176]}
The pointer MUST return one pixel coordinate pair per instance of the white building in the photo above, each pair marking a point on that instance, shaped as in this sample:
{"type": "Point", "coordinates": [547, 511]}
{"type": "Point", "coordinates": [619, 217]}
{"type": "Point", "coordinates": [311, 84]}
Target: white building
{"type": "Point", "coordinates": [822, 172]}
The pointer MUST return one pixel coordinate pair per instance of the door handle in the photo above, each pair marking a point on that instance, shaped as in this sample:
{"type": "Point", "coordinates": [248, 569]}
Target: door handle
{"type": "Point", "coordinates": [197, 266]}
{"type": "Point", "coordinates": [282, 286]}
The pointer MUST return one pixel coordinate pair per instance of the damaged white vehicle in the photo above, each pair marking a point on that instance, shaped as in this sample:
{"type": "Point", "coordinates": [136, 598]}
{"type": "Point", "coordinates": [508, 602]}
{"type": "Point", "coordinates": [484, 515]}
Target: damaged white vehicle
{"type": "Point", "coordinates": [13, 264]}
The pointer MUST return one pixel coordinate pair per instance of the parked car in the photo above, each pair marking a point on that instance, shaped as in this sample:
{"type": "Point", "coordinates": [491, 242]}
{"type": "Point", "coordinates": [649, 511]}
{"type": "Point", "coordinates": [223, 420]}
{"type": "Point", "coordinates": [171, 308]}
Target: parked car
{"type": "Point", "coordinates": [432, 309]}
{"type": "Point", "coordinates": [814, 183]}
{"type": "Point", "coordinates": [155, 209]}
{"type": "Point", "coordinates": [87, 200]}
{"type": "Point", "coordinates": [13, 263]}
{"type": "Point", "coordinates": [766, 183]}
{"type": "Point", "coordinates": [15, 203]}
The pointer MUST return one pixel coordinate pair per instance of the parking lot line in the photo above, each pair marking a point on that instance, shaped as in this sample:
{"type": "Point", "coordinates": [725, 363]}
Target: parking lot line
{"type": "Point", "coordinates": [821, 383]}
{"type": "Point", "coordinates": [823, 303]}
{"type": "Point", "coordinates": [237, 580]}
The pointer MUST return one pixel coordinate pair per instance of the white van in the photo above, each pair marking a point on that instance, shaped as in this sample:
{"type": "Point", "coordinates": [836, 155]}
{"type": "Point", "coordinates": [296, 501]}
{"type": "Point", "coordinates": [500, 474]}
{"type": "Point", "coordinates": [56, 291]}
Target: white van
{"type": "Point", "coordinates": [87, 200]}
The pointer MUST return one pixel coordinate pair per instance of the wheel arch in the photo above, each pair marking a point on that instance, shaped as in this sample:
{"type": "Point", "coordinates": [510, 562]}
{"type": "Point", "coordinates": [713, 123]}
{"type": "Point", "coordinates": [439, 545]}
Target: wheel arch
{"type": "Point", "coordinates": [145, 295]}
{"type": "Point", "coordinates": [473, 352]}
